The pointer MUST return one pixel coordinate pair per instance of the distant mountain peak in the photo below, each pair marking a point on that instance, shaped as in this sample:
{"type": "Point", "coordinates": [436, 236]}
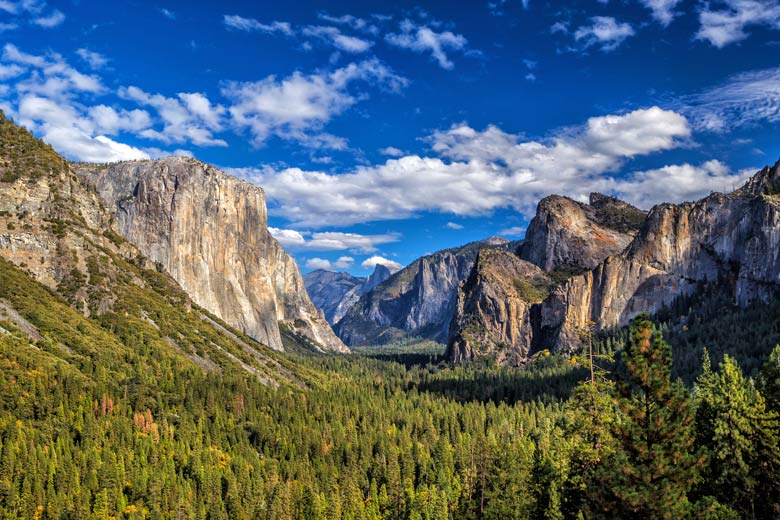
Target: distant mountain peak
{"type": "Point", "coordinates": [765, 182]}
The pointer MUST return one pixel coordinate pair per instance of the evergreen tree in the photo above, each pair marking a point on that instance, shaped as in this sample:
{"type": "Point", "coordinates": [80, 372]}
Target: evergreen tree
{"type": "Point", "coordinates": [654, 464]}
{"type": "Point", "coordinates": [742, 440]}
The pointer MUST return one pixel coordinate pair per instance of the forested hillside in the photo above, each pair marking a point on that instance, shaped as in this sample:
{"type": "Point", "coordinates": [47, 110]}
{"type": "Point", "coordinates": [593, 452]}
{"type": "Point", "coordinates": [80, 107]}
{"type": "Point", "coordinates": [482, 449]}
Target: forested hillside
{"type": "Point", "coordinates": [99, 422]}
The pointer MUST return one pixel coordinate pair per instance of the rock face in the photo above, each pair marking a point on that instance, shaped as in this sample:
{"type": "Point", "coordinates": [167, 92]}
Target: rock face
{"type": "Point", "coordinates": [493, 315]}
{"type": "Point", "coordinates": [734, 238]}
{"type": "Point", "coordinates": [327, 289]}
{"type": "Point", "coordinates": [417, 301]}
{"type": "Point", "coordinates": [335, 293]}
{"type": "Point", "coordinates": [570, 236]}
{"type": "Point", "coordinates": [209, 232]}
{"type": "Point", "coordinates": [499, 312]}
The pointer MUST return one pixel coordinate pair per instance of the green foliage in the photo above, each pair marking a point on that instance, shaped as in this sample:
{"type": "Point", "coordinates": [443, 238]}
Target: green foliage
{"type": "Point", "coordinates": [654, 465]}
{"type": "Point", "coordinates": [24, 156]}
{"type": "Point", "coordinates": [742, 439]}
{"type": "Point", "coordinates": [531, 290]}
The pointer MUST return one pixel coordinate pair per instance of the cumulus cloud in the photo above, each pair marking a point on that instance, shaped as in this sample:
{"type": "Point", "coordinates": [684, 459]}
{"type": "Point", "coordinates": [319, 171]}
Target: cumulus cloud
{"type": "Point", "coordinates": [453, 225]}
{"type": "Point", "coordinates": [344, 262]}
{"type": "Point", "coordinates": [331, 240]}
{"type": "Point", "coordinates": [663, 10]}
{"type": "Point", "coordinates": [318, 263]}
{"type": "Point", "coordinates": [189, 117]}
{"type": "Point", "coordinates": [240, 23]}
{"type": "Point", "coordinates": [57, 102]}
{"type": "Point", "coordinates": [422, 39]}
{"type": "Point", "coordinates": [475, 172]}
{"type": "Point", "coordinates": [370, 263]}
{"type": "Point", "coordinates": [298, 107]}
{"type": "Point", "coordinates": [45, 97]}
{"type": "Point", "coordinates": [725, 22]}
{"type": "Point", "coordinates": [746, 98]}
{"type": "Point", "coordinates": [679, 183]}
{"type": "Point", "coordinates": [604, 32]}
{"type": "Point", "coordinates": [171, 15]}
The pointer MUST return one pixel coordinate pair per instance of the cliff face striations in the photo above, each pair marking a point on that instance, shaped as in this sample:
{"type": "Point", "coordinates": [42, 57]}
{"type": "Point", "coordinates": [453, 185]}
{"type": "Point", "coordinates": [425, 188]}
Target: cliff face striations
{"type": "Point", "coordinates": [734, 238]}
{"type": "Point", "coordinates": [493, 311]}
{"type": "Point", "coordinates": [335, 293]}
{"type": "Point", "coordinates": [209, 232]}
{"type": "Point", "coordinates": [570, 236]}
{"type": "Point", "coordinates": [499, 308]}
{"type": "Point", "coordinates": [416, 301]}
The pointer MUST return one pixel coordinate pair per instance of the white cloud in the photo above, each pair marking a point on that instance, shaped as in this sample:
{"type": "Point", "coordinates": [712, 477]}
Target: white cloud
{"type": "Point", "coordinates": [36, 11]}
{"type": "Point", "coordinates": [344, 262]}
{"type": "Point", "coordinates": [423, 39]}
{"type": "Point", "coordinates": [299, 106]}
{"type": "Point", "coordinates": [330, 240]}
{"type": "Point", "coordinates": [390, 151]}
{"type": "Point", "coordinates": [370, 263]}
{"type": "Point", "coordinates": [475, 172]}
{"type": "Point", "coordinates": [189, 117]}
{"type": "Point", "coordinates": [453, 225]}
{"type": "Point", "coordinates": [605, 32]}
{"type": "Point", "coordinates": [724, 22]}
{"type": "Point", "coordinates": [746, 98]}
{"type": "Point", "coordinates": [50, 20]}
{"type": "Point", "coordinates": [53, 77]}
{"type": "Point", "coordinates": [171, 15]}
{"type": "Point", "coordinates": [663, 10]}
{"type": "Point", "coordinates": [679, 183]}
{"type": "Point", "coordinates": [339, 40]}
{"type": "Point", "coordinates": [251, 25]}
{"type": "Point", "coordinates": [108, 120]}
{"type": "Point", "coordinates": [515, 231]}
{"type": "Point", "coordinates": [530, 76]}
{"type": "Point", "coordinates": [318, 263]}
{"type": "Point", "coordinates": [354, 22]}
{"type": "Point", "coordinates": [56, 102]}
{"type": "Point", "coordinates": [94, 59]}
{"type": "Point", "coordinates": [10, 71]}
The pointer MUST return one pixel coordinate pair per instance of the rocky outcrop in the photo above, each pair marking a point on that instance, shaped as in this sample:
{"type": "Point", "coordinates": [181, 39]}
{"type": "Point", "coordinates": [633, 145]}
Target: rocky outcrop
{"type": "Point", "coordinates": [327, 290]}
{"type": "Point", "coordinates": [566, 235]}
{"type": "Point", "coordinates": [734, 238]}
{"type": "Point", "coordinates": [417, 301]}
{"type": "Point", "coordinates": [209, 232]}
{"type": "Point", "coordinates": [335, 293]}
{"type": "Point", "coordinates": [499, 312]}
{"type": "Point", "coordinates": [493, 315]}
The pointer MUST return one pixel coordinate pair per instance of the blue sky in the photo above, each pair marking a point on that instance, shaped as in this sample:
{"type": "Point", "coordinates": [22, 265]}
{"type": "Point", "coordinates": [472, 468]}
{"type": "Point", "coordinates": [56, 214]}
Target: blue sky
{"type": "Point", "coordinates": [384, 131]}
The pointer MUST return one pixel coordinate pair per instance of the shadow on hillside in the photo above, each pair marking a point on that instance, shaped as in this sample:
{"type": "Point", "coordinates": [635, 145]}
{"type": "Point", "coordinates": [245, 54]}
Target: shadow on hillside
{"type": "Point", "coordinates": [503, 385]}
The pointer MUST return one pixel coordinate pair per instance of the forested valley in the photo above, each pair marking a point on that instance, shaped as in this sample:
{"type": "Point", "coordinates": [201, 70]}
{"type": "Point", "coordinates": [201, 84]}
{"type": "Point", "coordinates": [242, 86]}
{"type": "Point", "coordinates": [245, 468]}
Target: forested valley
{"type": "Point", "coordinates": [661, 432]}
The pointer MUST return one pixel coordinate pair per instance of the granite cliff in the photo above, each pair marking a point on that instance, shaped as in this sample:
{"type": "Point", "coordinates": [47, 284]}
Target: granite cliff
{"type": "Point", "coordinates": [499, 307]}
{"type": "Point", "coordinates": [493, 311]}
{"type": "Point", "coordinates": [733, 239]}
{"type": "Point", "coordinates": [209, 231]}
{"type": "Point", "coordinates": [417, 301]}
{"type": "Point", "coordinates": [335, 293]}
{"type": "Point", "coordinates": [566, 235]}
{"type": "Point", "coordinates": [729, 239]}
{"type": "Point", "coordinates": [79, 291]}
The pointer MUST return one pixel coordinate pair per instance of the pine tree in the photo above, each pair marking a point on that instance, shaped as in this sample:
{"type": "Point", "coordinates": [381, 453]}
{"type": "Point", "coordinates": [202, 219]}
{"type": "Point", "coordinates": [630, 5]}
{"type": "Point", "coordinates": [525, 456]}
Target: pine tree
{"type": "Point", "coordinates": [654, 464]}
{"type": "Point", "coordinates": [742, 440]}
